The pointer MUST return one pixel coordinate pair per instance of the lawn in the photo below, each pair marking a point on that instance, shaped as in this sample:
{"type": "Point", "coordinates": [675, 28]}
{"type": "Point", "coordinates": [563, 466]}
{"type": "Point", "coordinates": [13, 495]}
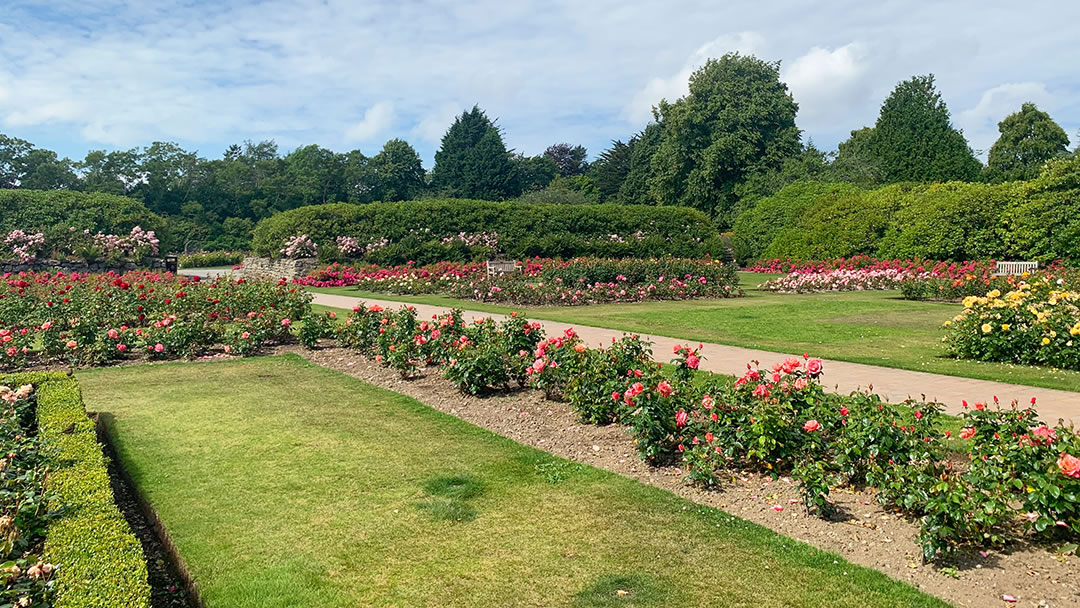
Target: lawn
{"type": "Point", "coordinates": [364, 497]}
{"type": "Point", "coordinates": [874, 327]}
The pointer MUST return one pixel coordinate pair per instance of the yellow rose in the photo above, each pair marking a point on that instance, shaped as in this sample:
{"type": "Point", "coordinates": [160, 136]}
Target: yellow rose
{"type": "Point", "coordinates": [1046, 341]}
{"type": "Point", "coordinates": [1004, 327]}
{"type": "Point", "coordinates": [993, 294]}
{"type": "Point", "coordinates": [986, 328]}
{"type": "Point", "coordinates": [970, 301]}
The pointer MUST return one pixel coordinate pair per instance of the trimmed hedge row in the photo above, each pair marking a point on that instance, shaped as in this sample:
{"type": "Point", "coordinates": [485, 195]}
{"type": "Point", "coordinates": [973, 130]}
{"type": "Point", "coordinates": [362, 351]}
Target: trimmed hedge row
{"type": "Point", "coordinates": [1036, 220]}
{"type": "Point", "coordinates": [415, 229]}
{"type": "Point", "coordinates": [101, 563]}
{"type": "Point", "coordinates": [54, 212]}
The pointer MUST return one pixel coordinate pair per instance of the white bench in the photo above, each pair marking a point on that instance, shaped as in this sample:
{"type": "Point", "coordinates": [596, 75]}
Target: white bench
{"type": "Point", "coordinates": [497, 267]}
{"type": "Point", "coordinates": [1015, 268]}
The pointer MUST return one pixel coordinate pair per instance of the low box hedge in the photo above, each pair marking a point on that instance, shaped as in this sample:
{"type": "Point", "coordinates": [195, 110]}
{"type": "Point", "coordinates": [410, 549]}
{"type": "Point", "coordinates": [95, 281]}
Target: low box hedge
{"type": "Point", "coordinates": [101, 563]}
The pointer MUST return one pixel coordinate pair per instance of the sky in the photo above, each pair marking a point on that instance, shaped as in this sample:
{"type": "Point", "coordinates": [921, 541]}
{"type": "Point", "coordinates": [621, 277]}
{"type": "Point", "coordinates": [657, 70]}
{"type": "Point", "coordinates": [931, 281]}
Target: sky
{"type": "Point", "coordinates": [80, 75]}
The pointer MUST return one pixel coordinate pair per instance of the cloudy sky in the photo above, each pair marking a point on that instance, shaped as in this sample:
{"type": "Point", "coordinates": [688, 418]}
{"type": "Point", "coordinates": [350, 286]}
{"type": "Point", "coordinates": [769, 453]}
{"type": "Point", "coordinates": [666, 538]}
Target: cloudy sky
{"type": "Point", "coordinates": [77, 75]}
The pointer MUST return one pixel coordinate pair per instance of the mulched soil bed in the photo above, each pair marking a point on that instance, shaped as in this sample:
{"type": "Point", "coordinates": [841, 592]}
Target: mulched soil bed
{"type": "Point", "coordinates": [865, 534]}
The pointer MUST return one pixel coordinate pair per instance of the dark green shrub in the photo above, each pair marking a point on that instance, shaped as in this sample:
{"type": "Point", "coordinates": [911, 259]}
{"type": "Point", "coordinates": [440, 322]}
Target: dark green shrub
{"type": "Point", "coordinates": [756, 228]}
{"type": "Point", "coordinates": [951, 221]}
{"type": "Point", "coordinates": [57, 212]}
{"type": "Point", "coordinates": [416, 229]}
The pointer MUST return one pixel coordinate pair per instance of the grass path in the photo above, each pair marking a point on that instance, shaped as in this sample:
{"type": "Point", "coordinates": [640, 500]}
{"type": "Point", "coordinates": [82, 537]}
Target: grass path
{"type": "Point", "coordinates": [871, 327]}
{"type": "Point", "coordinates": [286, 484]}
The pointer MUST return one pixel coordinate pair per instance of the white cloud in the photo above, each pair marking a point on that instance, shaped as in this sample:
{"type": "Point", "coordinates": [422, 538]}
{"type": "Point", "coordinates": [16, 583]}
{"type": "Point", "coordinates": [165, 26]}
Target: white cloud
{"type": "Point", "coordinates": [639, 110]}
{"type": "Point", "coordinates": [829, 85]}
{"type": "Point", "coordinates": [980, 121]}
{"type": "Point", "coordinates": [377, 119]}
{"type": "Point", "coordinates": [88, 73]}
{"type": "Point", "coordinates": [433, 126]}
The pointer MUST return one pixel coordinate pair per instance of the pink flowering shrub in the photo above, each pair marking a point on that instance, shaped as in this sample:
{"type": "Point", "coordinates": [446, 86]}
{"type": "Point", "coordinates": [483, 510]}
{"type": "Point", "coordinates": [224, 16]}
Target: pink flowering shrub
{"type": "Point", "coordinates": [25, 246]}
{"type": "Point", "coordinates": [837, 280]}
{"type": "Point", "coordinates": [91, 319]}
{"type": "Point", "coordinates": [299, 246]}
{"type": "Point", "coordinates": [546, 282]}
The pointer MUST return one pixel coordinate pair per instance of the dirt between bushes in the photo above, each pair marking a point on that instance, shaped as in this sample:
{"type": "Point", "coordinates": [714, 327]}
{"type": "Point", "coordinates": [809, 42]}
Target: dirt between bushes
{"type": "Point", "coordinates": [866, 533]}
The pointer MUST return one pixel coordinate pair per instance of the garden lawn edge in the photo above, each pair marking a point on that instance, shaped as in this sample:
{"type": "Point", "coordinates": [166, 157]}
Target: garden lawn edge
{"type": "Point", "coordinates": [100, 562]}
{"type": "Point", "coordinates": [796, 551]}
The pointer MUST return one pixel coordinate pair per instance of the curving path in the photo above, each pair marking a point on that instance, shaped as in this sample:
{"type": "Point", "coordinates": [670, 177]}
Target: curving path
{"type": "Point", "coordinates": [842, 376]}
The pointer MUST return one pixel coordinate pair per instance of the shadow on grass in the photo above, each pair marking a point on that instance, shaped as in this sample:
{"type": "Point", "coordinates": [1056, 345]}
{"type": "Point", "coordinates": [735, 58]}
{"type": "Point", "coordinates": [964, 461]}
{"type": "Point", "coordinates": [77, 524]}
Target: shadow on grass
{"type": "Point", "coordinates": [636, 590]}
{"type": "Point", "coordinates": [449, 496]}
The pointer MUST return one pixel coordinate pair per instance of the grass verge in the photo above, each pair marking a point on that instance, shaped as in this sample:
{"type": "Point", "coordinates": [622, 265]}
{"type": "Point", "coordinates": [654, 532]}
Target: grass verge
{"type": "Point", "coordinates": [362, 496]}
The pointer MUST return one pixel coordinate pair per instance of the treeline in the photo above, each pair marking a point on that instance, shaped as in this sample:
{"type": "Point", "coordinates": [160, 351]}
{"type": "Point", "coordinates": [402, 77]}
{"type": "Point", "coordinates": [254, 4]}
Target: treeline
{"type": "Point", "coordinates": [730, 142]}
{"type": "Point", "coordinates": [1036, 219]}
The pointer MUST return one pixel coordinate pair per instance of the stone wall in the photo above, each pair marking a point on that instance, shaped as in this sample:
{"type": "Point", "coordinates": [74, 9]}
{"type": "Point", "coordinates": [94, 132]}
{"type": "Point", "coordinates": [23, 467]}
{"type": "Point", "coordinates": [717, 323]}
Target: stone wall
{"type": "Point", "coordinates": [271, 268]}
{"type": "Point", "coordinates": [79, 266]}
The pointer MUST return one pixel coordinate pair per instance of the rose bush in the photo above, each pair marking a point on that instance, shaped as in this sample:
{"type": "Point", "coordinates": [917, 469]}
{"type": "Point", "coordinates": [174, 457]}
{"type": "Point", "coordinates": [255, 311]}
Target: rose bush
{"type": "Point", "coordinates": [547, 282]}
{"type": "Point", "coordinates": [91, 319]}
{"type": "Point", "coordinates": [1036, 323]}
{"type": "Point", "coordinates": [1017, 473]}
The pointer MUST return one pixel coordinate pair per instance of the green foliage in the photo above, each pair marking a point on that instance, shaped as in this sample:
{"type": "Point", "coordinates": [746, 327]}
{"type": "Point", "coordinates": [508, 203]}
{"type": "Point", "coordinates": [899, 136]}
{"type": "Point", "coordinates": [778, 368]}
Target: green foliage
{"type": "Point", "coordinates": [398, 172]}
{"type": "Point", "coordinates": [737, 119]}
{"type": "Point", "coordinates": [569, 160]}
{"type": "Point", "coordinates": [209, 259]}
{"type": "Point", "coordinates": [58, 213]}
{"type": "Point", "coordinates": [854, 161]}
{"type": "Point", "coordinates": [636, 188]}
{"type": "Point", "coordinates": [473, 162]}
{"type": "Point", "coordinates": [951, 221]}
{"type": "Point", "coordinates": [914, 140]}
{"type": "Point", "coordinates": [535, 172]}
{"type": "Point", "coordinates": [101, 562]}
{"type": "Point", "coordinates": [415, 228]}
{"type": "Point", "coordinates": [757, 228]}
{"type": "Point", "coordinates": [1028, 139]}
{"type": "Point", "coordinates": [609, 171]}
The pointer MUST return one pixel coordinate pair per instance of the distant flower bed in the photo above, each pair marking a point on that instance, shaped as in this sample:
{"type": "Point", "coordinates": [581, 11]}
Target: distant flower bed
{"type": "Point", "coordinates": [1037, 323]}
{"type": "Point", "coordinates": [857, 262]}
{"type": "Point", "coordinates": [83, 319]}
{"type": "Point", "coordinates": [837, 280]}
{"type": "Point", "coordinates": [27, 247]}
{"type": "Point", "coordinates": [541, 282]}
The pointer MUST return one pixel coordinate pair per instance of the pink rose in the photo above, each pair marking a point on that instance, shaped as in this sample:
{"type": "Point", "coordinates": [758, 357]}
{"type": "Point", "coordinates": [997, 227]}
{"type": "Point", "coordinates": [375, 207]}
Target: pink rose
{"type": "Point", "coordinates": [811, 426]}
{"type": "Point", "coordinates": [681, 418]}
{"type": "Point", "coordinates": [1046, 433]}
{"type": "Point", "coordinates": [761, 391]}
{"type": "Point", "coordinates": [664, 389]}
{"type": "Point", "coordinates": [158, 348]}
{"type": "Point", "coordinates": [286, 322]}
{"type": "Point", "coordinates": [813, 367]}
{"type": "Point", "coordinates": [112, 333]}
{"type": "Point", "coordinates": [121, 347]}
{"type": "Point", "coordinates": [800, 383]}
{"type": "Point", "coordinates": [1069, 465]}
{"type": "Point", "coordinates": [693, 361]}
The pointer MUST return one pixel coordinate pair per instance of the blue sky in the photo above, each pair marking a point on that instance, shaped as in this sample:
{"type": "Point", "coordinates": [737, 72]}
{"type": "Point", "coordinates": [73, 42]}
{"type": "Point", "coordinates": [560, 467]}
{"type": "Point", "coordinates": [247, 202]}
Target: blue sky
{"type": "Point", "coordinates": [77, 75]}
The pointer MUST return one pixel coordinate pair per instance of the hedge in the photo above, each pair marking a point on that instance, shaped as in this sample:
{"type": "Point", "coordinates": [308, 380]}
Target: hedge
{"type": "Point", "coordinates": [56, 211]}
{"type": "Point", "coordinates": [1033, 220]}
{"type": "Point", "coordinates": [101, 563]}
{"type": "Point", "coordinates": [415, 229]}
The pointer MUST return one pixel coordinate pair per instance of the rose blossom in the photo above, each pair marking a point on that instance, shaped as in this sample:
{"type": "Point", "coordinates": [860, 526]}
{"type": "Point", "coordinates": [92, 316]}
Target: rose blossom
{"type": "Point", "coordinates": [1069, 465]}
{"type": "Point", "coordinates": [811, 426]}
{"type": "Point", "coordinates": [681, 418]}
{"type": "Point", "coordinates": [813, 367]}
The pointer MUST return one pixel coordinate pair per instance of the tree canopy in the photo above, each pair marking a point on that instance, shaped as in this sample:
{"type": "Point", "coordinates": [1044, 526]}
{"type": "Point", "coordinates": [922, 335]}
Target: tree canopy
{"type": "Point", "coordinates": [1028, 139]}
{"type": "Point", "coordinates": [737, 119]}
{"type": "Point", "coordinates": [473, 161]}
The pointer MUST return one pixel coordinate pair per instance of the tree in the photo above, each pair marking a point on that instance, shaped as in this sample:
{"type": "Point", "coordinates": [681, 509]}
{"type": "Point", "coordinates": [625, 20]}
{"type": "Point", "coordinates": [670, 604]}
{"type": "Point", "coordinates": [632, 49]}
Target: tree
{"type": "Point", "coordinates": [737, 119]}
{"type": "Point", "coordinates": [1028, 139]}
{"type": "Point", "coordinates": [853, 162]}
{"type": "Point", "coordinates": [807, 166]}
{"type": "Point", "coordinates": [535, 172]}
{"type": "Point", "coordinates": [570, 160]}
{"type": "Point", "coordinates": [398, 171]}
{"type": "Point", "coordinates": [473, 162]}
{"type": "Point", "coordinates": [609, 171]}
{"type": "Point", "coordinates": [636, 189]}
{"type": "Point", "coordinates": [914, 140]}
{"type": "Point", "coordinates": [13, 152]}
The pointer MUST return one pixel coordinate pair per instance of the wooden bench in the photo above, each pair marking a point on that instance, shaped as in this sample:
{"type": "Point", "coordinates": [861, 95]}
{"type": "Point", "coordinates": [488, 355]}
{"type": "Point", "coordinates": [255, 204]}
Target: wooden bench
{"type": "Point", "coordinates": [1015, 268]}
{"type": "Point", "coordinates": [497, 267]}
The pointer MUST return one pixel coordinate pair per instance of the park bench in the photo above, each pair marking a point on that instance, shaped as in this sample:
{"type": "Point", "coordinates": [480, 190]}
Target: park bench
{"type": "Point", "coordinates": [1015, 268]}
{"type": "Point", "coordinates": [497, 267]}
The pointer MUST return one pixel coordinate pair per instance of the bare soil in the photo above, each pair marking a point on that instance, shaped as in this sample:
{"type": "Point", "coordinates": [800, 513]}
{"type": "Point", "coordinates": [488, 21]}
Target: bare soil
{"type": "Point", "coordinates": [865, 533]}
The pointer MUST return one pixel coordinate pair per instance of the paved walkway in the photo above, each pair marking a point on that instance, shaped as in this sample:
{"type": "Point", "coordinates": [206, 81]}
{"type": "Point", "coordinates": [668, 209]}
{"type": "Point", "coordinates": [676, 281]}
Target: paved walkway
{"type": "Point", "coordinates": [841, 376]}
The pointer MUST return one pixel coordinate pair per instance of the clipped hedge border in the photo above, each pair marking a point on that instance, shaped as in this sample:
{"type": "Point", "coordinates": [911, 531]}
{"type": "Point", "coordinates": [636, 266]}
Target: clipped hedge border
{"type": "Point", "coordinates": [101, 563]}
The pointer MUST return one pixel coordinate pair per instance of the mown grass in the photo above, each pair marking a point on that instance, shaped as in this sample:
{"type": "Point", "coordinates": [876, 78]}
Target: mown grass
{"type": "Point", "coordinates": [873, 327]}
{"type": "Point", "coordinates": [286, 484]}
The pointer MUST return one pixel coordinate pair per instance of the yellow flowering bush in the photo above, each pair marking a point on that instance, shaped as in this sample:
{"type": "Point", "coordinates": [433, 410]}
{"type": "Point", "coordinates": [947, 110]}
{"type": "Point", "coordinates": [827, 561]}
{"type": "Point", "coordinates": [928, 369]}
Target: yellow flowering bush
{"type": "Point", "coordinates": [1036, 323]}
